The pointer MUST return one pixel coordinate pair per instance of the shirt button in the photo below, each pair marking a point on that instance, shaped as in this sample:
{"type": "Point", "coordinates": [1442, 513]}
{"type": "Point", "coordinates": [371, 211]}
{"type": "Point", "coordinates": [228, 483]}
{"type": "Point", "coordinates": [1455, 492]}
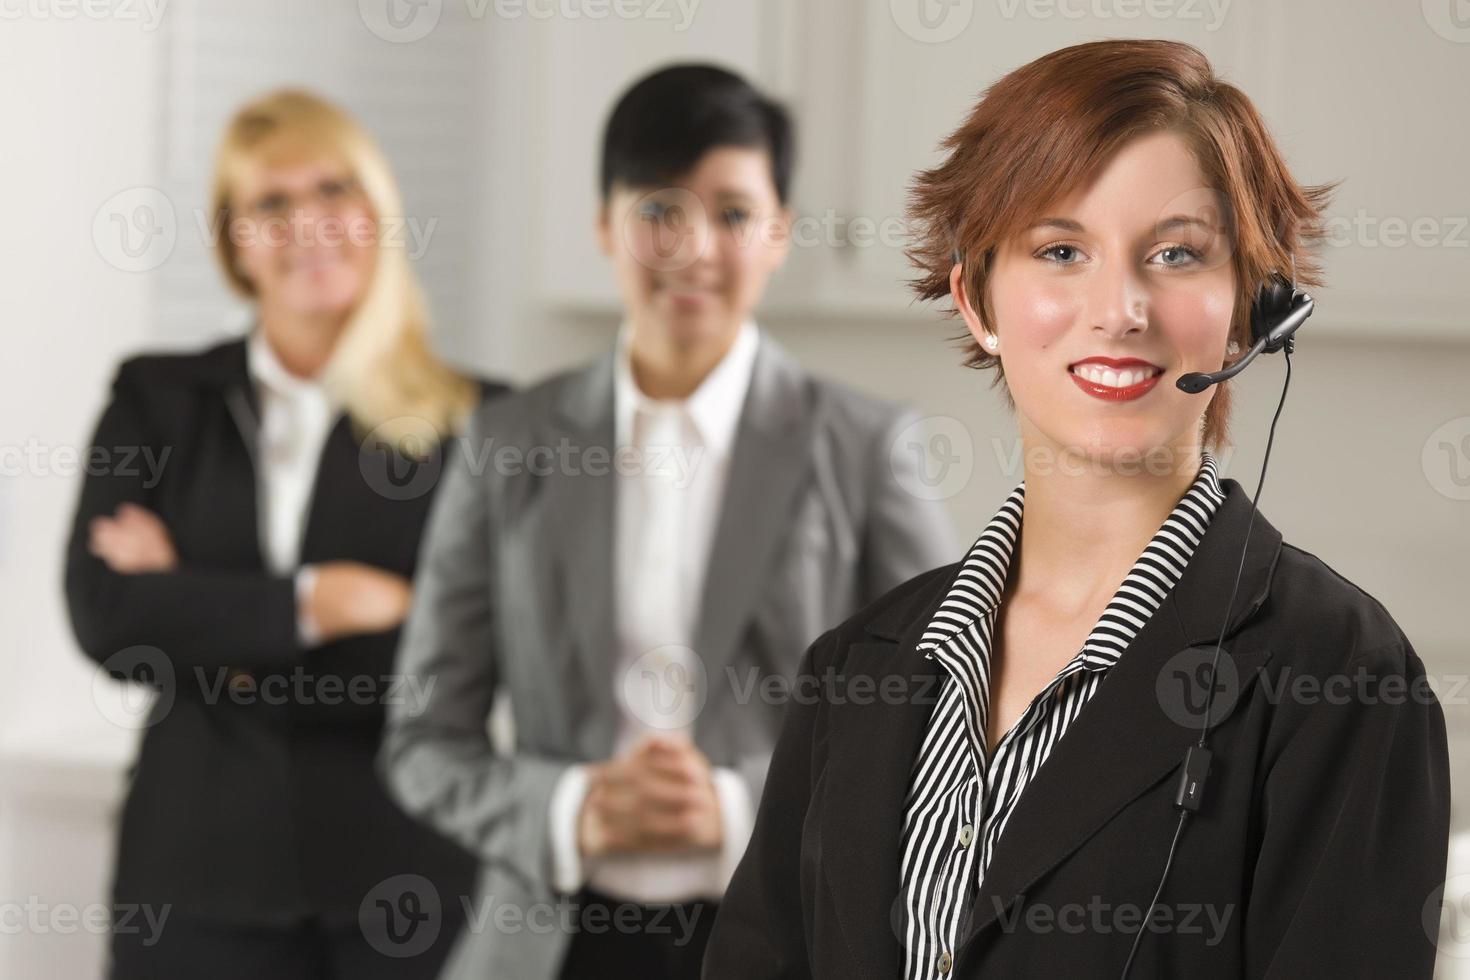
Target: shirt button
{"type": "Point", "coordinates": [944, 963]}
{"type": "Point", "coordinates": [967, 834]}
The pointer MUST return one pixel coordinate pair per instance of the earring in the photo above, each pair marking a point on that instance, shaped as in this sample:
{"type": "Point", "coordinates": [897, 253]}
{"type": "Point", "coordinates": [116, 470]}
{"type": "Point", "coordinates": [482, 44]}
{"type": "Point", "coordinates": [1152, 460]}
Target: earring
{"type": "Point", "coordinates": [1232, 348]}
{"type": "Point", "coordinates": [992, 341]}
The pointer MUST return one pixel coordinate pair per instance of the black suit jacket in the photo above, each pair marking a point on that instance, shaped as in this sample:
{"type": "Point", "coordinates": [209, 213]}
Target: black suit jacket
{"type": "Point", "coordinates": [1318, 849]}
{"type": "Point", "coordinates": [254, 797]}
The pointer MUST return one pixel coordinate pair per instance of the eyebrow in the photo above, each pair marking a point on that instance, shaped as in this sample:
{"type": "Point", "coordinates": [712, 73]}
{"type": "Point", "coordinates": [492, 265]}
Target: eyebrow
{"type": "Point", "coordinates": [1167, 224]}
{"type": "Point", "coordinates": [722, 194]}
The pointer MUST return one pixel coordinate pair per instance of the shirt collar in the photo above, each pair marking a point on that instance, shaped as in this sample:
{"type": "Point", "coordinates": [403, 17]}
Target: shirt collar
{"type": "Point", "coordinates": [977, 588]}
{"type": "Point", "coordinates": [714, 406]}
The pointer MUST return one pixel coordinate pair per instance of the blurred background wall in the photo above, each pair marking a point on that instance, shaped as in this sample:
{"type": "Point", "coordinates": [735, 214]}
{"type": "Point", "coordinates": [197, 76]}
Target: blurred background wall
{"type": "Point", "coordinates": [491, 113]}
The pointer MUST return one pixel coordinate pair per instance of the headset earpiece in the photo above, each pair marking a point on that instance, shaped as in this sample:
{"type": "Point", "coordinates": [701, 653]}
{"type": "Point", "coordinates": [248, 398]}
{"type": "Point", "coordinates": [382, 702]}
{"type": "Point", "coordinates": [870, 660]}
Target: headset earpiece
{"type": "Point", "coordinates": [1276, 301]}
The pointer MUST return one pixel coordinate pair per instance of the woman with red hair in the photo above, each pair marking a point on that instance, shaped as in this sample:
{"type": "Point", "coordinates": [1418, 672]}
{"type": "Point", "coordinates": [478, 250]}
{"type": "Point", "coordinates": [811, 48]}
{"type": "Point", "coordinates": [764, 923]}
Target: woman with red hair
{"type": "Point", "coordinates": [1012, 803]}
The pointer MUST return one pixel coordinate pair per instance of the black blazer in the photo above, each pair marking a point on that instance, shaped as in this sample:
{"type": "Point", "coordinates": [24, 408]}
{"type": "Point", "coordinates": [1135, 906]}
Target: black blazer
{"type": "Point", "coordinates": [254, 797]}
{"type": "Point", "coordinates": [1322, 837]}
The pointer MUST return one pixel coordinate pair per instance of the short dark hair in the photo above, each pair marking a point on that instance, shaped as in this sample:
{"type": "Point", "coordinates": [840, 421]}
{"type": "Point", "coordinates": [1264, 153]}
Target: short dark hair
{"type": "Point", "coordinates": [667, 120]}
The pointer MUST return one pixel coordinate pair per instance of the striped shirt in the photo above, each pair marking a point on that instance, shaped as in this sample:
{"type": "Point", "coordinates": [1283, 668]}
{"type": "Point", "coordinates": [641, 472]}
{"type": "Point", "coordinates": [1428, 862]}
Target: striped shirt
{"type": "Point", "coordinates": [950, 828]}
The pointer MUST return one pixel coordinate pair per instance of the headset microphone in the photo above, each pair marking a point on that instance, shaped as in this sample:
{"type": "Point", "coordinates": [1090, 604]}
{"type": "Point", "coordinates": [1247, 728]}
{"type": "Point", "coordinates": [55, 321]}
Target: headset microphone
{"type": "Point", "coordinates": [1279, 309]}
{"type": "Point", "coordinates": [1277, 312]}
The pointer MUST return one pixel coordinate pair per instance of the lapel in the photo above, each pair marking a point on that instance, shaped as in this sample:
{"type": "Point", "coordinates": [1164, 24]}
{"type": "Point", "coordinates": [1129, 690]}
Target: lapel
{"type": "Point", "coordinates": [768, 465]}
{"type": "Point", "coordinates": [578, 515]}
{"type": "Point", "coordinates": [1121, 744]}
{"type": "Point", "coordinates": [874, 742]}
{"type": "Point", "coordinates": [225, 369]}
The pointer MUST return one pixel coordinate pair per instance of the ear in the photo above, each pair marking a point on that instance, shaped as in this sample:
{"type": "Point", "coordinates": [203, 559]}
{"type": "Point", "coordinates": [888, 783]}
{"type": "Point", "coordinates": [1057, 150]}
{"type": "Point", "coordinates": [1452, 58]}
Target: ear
{"type": "Point", "coordinates": [781, 238]}
{"type": "Point", "coordinates": [962, 303]}
{"type": "Point", "coordinates": [604, 227]}
{"type": "Point", "coordinates": [240, 274]}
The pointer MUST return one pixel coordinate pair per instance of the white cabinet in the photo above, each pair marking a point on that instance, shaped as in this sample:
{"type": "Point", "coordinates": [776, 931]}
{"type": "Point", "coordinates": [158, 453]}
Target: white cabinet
{"type": "Point", "coordinates": [1360, 94]}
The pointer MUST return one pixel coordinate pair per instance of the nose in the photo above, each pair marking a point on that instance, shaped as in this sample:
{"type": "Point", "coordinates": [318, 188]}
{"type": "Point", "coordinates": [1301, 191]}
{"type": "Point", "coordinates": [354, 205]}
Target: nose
{"type": "Point", "coordinates": [1118, 301]}
{"type": "Point", "coordinates": [705, 244]}
{"type": "Point", "coordinates": [307, 212]}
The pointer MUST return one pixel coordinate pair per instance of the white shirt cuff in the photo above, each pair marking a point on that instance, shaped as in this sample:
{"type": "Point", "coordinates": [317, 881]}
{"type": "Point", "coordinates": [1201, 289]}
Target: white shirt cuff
{"type": "Point", "coordinates": [306, 627]}
{"type": "Point", "coordinates": [567, 871]}
{"type": "Point", "coordinates": [737, 815]}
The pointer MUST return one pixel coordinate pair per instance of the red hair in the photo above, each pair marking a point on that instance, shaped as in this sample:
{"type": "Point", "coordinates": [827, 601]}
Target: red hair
{"type": "Point", "coordinates": [1049, 127]}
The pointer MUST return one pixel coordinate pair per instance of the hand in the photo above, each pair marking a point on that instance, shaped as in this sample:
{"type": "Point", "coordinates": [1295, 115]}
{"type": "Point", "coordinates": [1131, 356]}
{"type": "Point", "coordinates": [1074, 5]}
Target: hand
{"type": "Point", "coordinates": [658, 796]}
{"type": "Point", "coordinates": [350, 597]}
{"type": "Point", "coordinates": [133, 540]}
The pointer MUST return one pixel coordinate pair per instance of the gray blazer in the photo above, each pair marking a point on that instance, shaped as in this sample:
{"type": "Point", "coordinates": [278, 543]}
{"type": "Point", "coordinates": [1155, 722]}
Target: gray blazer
{"type": "Point", "coordinates": [514, 592]}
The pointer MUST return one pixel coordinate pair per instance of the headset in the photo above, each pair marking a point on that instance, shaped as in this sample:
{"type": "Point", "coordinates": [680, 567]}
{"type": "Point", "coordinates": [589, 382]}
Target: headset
{"type": "Point", "coordinates": [1279, 309]}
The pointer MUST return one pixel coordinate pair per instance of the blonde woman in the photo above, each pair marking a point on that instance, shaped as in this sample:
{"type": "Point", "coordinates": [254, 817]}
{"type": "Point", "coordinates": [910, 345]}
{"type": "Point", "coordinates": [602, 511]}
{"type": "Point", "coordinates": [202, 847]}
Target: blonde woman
{"type": "Point", "coordinates": [259, 577]}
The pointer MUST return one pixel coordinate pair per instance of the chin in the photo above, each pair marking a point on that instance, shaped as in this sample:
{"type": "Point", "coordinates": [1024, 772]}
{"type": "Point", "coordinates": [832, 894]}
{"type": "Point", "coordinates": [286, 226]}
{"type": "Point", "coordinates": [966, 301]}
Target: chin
{"type": "Point", "coordinates": [1127, 445]}
{"type": "Point", "coordinates": [692, 328]}
{"type": "Point", "coordinates": [326, 299]}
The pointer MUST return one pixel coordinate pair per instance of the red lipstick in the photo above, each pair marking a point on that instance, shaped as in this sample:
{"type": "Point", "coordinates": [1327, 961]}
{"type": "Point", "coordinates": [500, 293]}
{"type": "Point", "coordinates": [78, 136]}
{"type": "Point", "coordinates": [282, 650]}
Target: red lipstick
{"type": "Point", "coordinates": [1119, 368]}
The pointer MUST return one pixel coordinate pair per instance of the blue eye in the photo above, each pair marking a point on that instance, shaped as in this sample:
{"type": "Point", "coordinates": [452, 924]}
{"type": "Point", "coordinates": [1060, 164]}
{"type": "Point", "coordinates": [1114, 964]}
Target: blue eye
{"type": "Point", "coordinates": [655, 210]}
{"type": "Point", "coordinates": [736, 216]}
{"type": "Point", "coordinates": [1190, 254]}
{"type": "Point", "coordinates": [1052, 249]}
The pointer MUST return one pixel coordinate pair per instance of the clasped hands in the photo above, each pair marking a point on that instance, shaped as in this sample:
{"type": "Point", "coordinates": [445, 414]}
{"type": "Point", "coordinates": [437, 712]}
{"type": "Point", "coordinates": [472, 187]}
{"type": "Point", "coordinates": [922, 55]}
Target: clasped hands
{"type": "Point", "coordinates": [658, 796]}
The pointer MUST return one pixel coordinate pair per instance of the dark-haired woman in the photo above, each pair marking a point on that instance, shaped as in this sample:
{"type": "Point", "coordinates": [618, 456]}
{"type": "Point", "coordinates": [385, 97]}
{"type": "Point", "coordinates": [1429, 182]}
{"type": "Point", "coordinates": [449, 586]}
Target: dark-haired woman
{"type": "Point", "coordinates": [692, 508]}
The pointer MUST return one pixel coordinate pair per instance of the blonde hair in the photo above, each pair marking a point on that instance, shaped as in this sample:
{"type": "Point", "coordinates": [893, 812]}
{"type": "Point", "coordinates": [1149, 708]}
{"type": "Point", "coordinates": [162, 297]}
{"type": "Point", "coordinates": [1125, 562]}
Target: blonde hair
{"type": "Point", "coordinates": [382, 368]}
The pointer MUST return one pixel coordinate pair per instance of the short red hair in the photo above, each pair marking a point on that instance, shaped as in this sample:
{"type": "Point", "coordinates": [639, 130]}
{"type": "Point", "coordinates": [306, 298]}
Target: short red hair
{"type": "Point", "coordinates": [1050, 126]}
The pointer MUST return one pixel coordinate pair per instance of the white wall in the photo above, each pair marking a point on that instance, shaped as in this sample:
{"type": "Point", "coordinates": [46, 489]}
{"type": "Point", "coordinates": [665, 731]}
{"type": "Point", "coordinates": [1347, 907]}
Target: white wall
{"type": "Point", "coordinates": [80, 113]}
